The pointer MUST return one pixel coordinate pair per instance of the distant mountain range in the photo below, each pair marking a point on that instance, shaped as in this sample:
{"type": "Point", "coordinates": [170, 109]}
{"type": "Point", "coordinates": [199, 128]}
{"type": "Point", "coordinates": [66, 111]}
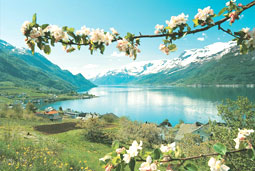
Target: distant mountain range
{"type": "Point", "coordinates": [218, 63]}
{"type": "Point", "coordinates": [19, 66]}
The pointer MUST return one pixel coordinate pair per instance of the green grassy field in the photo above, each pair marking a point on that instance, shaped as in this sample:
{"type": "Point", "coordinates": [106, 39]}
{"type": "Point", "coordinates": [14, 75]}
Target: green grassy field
{"type": "Point", "coordinates": [65, 151]}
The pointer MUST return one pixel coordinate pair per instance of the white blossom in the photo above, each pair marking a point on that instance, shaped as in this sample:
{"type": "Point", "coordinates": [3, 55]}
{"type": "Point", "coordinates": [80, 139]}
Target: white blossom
{"type": "Point", "coordinates": [126, 158]}
{"type": "Point", "coordinates": [158, 28]}
{"type": "Point", "coordinates": [216, 165]}
{"type": "Point", "coordinates": [168, 147]}
{"type": "Point", "coordinates": [228, 3]}
{"type": "Point", "coordinates": [25, 27]}
{"type": "Point", "coordinates": [177, 20]}
{"type": "Point", "coordinates": [245, 30]}
{"type": "Point", "coordinates": [164, 49]}
{"type": "Point", "coordinates": [203, 14]}
{"type": "Point", "coordinates": [56, 32]}
{"type": "Point", "coordinates": [242, 134]}
{"type": "Point", "coordinates": [122, 45]}
{"type": "Point", "coordinates": [148, 165]}
{"type": "Point", "coordinates": [132, 151]}
{"type": "Point", "coordinates": [36, 32]}
{"type": "Point", "coordinates": [97, 36]}
{"type": "Point", "coordinates": [108, 38]}
{"type": "Point", "coordinates": [114, 31]}
{"type": "Point", "coordinates": [83, 31]}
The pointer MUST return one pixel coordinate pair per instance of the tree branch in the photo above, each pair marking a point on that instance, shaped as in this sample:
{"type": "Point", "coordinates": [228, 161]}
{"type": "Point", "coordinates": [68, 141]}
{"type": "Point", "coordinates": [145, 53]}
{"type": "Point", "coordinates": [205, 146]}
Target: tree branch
{"type": "Point", "coordinates": [245, 7]}
{"type": "Point", "coordinates": [200, 156]}
{"type": "Point", "coordinates": [218, 23]}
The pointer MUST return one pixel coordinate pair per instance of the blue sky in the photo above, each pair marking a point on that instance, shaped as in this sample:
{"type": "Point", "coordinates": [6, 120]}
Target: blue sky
{"type": "Point", "coordinates": [125, 16]}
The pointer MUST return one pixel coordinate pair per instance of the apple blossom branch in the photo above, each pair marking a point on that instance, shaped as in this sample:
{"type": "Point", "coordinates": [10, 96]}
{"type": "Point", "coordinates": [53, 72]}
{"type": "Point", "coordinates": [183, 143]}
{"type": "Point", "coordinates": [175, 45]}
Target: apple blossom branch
{"type": "Point", "coordinates": [47, 35]}
{"type": "Point", "coordinates": [196, 157]}
{"type": "Point", "coordinates": [218, 23]}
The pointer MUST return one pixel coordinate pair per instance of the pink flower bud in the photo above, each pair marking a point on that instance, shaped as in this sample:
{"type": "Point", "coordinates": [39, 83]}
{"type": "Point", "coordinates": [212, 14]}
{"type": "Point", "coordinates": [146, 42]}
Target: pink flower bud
{"type": "Point", "coordinates": [108, 168]}
{"type": "Point", "coordinates": [240, 5]}
{"type": "Point", "coordinates": [232, 20]}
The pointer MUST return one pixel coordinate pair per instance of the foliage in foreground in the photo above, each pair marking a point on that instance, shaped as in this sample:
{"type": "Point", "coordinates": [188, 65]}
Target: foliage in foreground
{"type": "Point", "coordinates": [233, 147]}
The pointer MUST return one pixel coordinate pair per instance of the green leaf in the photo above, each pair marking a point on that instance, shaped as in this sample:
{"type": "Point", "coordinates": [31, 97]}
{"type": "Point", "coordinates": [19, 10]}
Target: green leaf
{"type": "Point", "coordinates": [102, 48]}
{"type": "Point", "coordinates": [191, 167]}
{"type": "Point", "coordinates": [44, 26]}
{"type": "Point", "coordinates": [115, 145]}
{"type": "Point", "coordinates": [195, 21]}
{"type": "Point", "coordinates": [222, 11]}
{"type": "Point", "coordinates": [156, 154]}
{"type": "Point", "coordinates": [220, 148]}
{"type": "Point", "coordinates": [116, 160]}
{"type": "Point", "coordinates": [71, 34]}
{"type": "Point", "coordinates": [251, 154]}
{"type": "Point", "coordinates": [47, 49]}
{"type": "Point", "coordinates": [70, 29]}
{"type": "Point", "coordinates": [34, 19]}
{"type": "Point", "coordinates": [132, 164]}
{"type": "Point", "coordinates": [172, 47]}
{"type": "Point", "coordinates": [129, 36]}
{"type": "Point", "coordinates": [52, 41]}
{"type": "Point", "coordinates": [33, 47]}
{"type": "Point", "coordinates": [118, 168]}
{"type": "Point", "coordinates": [64, 28]}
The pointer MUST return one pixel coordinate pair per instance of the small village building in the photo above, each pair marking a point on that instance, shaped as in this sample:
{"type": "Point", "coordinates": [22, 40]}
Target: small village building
{"type": "Point", "coordinates": [197, 129]}
{"type": "Point", "coordinates": [71, 113]}
{"type": "Point", "coordinates": [53, 115]}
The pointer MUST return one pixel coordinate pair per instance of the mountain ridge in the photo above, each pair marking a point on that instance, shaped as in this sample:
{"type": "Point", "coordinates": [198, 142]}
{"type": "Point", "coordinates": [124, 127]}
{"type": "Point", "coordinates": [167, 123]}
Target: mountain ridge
{"type": "Point", "coordinates": [181, 70]}
{"type": "Point", "coordinates": [37, 71]}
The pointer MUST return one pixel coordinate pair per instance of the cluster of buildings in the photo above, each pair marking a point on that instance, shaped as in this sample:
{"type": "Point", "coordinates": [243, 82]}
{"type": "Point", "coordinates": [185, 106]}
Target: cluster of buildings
{"type": "Point", "coordinates": [196, 129]}
{"type": "Point", "coordinates": [55, 115]}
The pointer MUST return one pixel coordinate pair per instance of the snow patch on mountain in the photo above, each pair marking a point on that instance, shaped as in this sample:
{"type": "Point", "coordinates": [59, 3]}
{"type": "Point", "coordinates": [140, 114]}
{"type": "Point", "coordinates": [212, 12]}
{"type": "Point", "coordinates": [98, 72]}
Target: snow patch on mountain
{"type": "Point", "coordinates": [213, 51]}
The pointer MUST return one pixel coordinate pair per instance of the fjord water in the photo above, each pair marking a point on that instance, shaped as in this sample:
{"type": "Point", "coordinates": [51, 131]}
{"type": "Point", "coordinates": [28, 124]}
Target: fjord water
{"type": "Point", "coordinates": [154, 104]}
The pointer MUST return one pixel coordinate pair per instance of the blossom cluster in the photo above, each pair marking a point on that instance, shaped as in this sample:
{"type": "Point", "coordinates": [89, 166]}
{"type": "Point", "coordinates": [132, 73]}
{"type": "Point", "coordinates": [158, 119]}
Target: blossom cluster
{"type": "Point", "coordinates": [148, 165]}
{"type": "Point", "coordinates": [159, 28]}
{"type": "Point", "coordinates": [249, 36]}
{"type": "Point", "coordinates": [242, 134]}
{"type": "Point", "coordinates": [164, 49]}
{"type": "Point", "coordinates": [216, 165]}
{"type": "Point", "coordinates": [25, 27]}
{"type": "Point", "coordinates": [168, 147]}
{"type": "Point", "coordinates": [125, 46]}
{"type": "Point", "coordinates": [177, 20]}
{"type": "Point", "coordinates": [56, 32]}
{"type": "Point", "coordinates": [203, 14]}
{"type": "Point", "coordinates": [132, 151]}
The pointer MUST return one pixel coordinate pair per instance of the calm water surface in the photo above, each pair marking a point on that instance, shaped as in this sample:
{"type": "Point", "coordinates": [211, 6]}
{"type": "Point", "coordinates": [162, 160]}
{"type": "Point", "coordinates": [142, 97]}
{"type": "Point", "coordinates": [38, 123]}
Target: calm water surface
{"type": "Point", "coordinates": [156, 104]}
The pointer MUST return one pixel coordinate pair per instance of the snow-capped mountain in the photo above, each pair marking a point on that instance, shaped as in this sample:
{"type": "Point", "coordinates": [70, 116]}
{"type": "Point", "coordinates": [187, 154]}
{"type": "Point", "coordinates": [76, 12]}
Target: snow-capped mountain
{"type": "Point", "coordinates": [137, 71]}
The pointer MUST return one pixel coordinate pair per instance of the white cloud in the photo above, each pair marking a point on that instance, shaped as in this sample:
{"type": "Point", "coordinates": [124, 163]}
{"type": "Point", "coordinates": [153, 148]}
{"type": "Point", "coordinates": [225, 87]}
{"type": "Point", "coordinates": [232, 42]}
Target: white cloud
{"type": "Point", "coordinates": [201, 38]}
{"type": "Point", "coordinates": [116, 54]}
{"type": "Point", "coordinates": [218, 38]}
{"type": "Point", "coordinates": [89, 66]}
{"type": "Point", "coordinates": [203, 34]}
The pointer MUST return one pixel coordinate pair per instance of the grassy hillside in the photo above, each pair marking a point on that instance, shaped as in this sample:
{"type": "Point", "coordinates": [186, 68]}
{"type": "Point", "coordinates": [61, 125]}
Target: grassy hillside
{"type": "Point", "coordinates": [22, 68]}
